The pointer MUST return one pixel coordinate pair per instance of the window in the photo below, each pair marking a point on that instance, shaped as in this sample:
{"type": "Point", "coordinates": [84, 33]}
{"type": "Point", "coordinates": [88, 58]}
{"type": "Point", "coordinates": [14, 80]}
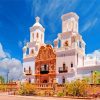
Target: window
{"type": "Point", "coordinates": [27, 52]}
{"type": "Point", "coordinates": [33, 35]}
{"type": "Point", "coordinates": [41, 37]}
{"type": "Point", "coordinates": [24, 69]}
{"type": "Point", "coordinates": [37, 35]}
{"type": "Point", "coordinates": [64, 66]}
{"type": "Point", "coordinates": [83, 60]}
{"type": "Point", "coordinates": [32, 51]}
{"type": "Point", "coordinates": [44, 69]}
{"type": "Point", "coordinates": [29, 80]}
{"type": "Point", "coordinates": [71, 65]}
{"type": "Point", "coordinates": [80, 44]}
{"type": "Point", "coordinates": [77, 59]}
{"type": "Point", "coordinates": [29, 69]}
{"type": "Point", "coordinates": [63, 80]}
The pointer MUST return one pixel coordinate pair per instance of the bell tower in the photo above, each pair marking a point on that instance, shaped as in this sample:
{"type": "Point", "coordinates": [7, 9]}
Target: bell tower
{"type": "Point", "coordinates": [37, 32]}
{"type": "Point", "coordinates": [70, 22]}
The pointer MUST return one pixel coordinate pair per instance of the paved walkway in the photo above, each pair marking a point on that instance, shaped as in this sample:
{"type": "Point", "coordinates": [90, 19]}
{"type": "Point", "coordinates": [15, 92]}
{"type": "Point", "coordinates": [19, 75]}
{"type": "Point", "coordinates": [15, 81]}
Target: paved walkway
{"type": "Point", "coordinates": [11, 97]}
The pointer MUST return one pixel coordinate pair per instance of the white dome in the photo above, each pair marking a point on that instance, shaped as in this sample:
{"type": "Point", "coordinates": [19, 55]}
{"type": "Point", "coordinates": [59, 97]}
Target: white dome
{"type": "Point", "coordinates": [37, 22]}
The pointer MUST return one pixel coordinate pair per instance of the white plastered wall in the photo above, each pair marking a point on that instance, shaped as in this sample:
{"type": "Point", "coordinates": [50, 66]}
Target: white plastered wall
{"type": "Point", "coordinates": [59, 63]}
{"type": "Point", "coordinates": [26, 66]}
{"type": "Point", "coordinates": [40, 33]}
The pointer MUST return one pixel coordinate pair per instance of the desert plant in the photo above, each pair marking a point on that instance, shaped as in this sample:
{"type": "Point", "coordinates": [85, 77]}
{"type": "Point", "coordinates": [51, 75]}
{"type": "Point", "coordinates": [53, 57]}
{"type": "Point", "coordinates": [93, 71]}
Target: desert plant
{"type": "Point", "coordinates": [60, 94]}
{"type": "Point", "coordinates": [76, 88]}
{"type": "Point", "coordinates": [26, 89]}
{"type": "Point", "coordinates": [3, 87]}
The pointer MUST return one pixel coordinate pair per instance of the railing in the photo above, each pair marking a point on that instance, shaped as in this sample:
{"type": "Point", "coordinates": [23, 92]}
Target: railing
{"type": "Point", "coordinates": [28, 72]}
{"type": "Point", "coordinates": [44, 85]}
{"type": "Point", "coordinates": [63, 70]}
{"type": "Point", "coordinates": [44, 72]}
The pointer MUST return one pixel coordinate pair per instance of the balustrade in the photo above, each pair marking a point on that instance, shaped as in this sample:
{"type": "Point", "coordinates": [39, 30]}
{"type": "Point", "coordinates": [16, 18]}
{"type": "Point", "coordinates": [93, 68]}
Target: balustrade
{"type": "Point", "coordinates": [44, 85]}
{"type": "Point", "coordinates": [28, 72]}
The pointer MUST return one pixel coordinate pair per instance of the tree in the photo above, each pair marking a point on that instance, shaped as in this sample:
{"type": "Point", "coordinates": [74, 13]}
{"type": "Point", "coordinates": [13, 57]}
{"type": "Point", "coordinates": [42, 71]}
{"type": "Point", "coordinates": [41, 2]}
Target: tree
{"type": "Point", "coordinates": [2, 80]}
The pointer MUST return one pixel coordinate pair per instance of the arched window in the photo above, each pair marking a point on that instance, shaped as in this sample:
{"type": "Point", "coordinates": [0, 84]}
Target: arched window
{"type": "Point", "coordinates": [63, 80]}
{"type": "Point", "coordinates": [71, 65]}
{"type": "Point", "coordinates": [83, 60]}
{"type": "Point", "coordinates": [77, 58]}
{"type": "Point", "coordinates": [33, 35]}
{"type": "Point", "coordinates": [27, 52]}
{"type": "Point", "coordinates": [32, 51]}
{"type": "Point", "coordinates": [59, 43]}
{"type": "Point", "coordinates": [37, 35]}
{"type": "Point", "coordinates": [24, 69]}
{"type": "Point", "coordinates": [64, 65]}
{"type": "Point", "coordinates": [29, 69]}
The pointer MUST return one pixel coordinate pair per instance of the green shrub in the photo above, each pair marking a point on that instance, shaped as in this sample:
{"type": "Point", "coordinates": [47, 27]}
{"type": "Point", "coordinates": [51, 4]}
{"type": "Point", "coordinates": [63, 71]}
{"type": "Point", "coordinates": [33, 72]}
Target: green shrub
{"type": "Point", "coordinates": [26, 89]}
{"type": "Point", "coordinates": [76, 88]}
{"type": "Point", "coordinates": [60, 94]}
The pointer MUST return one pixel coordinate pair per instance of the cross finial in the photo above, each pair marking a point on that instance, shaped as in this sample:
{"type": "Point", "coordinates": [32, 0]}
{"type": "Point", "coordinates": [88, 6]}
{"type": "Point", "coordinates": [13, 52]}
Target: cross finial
{"type": "Point", "coordinates": [37, 19]}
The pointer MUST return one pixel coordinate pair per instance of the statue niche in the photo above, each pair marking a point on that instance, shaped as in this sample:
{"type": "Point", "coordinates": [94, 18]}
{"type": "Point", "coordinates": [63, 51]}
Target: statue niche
{"type": "Point", "coordinates": [66, 43]}
{"type": "Point", "coordinates": [45, 53]}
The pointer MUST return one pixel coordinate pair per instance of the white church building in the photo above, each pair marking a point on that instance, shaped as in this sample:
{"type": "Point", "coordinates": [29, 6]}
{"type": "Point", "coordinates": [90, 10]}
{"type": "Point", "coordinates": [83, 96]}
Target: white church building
{"type": "Point", "coordinates": [65, 61]}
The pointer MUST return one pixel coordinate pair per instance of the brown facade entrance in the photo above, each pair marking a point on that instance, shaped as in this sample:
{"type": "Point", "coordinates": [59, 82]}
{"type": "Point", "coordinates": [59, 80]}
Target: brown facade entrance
{"type": "Point", "coordinates": [45, 81]}
{"type": "Point", "coordinates": [45, 68]}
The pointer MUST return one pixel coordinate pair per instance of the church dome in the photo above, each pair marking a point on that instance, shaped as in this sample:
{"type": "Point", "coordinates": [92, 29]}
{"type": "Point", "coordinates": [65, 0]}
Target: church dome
{"type": "Point", "coordinates": [37, 22]}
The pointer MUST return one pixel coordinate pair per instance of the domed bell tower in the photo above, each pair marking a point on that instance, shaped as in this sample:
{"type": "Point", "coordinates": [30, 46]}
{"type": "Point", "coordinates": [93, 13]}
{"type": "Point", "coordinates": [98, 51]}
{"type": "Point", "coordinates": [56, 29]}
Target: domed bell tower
{"type": "Point", "coordinates": [70, 22]}
{"type": "Point", "coordinates": [37, 33]}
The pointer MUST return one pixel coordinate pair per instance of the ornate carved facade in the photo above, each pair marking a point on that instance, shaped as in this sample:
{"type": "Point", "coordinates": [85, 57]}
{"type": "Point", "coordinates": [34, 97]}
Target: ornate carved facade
{"type": "Point", "coordinates": [45, 65]}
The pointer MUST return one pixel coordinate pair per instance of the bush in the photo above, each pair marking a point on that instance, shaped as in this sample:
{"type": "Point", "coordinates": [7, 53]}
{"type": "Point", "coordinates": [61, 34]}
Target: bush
{"type": "Point", "coordinates": [60, 94]}
{"type": "Point", "coordinates": [41, 93]}
{"type": "Point", "coordinates": [26, 89]}
{"type": "Point", "coordinates": [76, 88]}
{"type": "Point", "coordinates": [3, 87]}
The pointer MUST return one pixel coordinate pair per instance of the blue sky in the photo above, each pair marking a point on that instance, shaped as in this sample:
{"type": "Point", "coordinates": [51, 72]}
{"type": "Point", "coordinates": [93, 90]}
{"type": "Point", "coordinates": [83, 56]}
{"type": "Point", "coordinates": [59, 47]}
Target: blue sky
{"type": "Point", "coordinates": [16, 16]}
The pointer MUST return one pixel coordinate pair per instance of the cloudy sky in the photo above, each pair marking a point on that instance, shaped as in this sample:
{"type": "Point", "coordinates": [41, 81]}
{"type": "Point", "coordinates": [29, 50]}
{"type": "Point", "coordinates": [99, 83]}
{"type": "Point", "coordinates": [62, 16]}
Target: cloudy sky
{"type": "Point", "coordinates": [16, 16]}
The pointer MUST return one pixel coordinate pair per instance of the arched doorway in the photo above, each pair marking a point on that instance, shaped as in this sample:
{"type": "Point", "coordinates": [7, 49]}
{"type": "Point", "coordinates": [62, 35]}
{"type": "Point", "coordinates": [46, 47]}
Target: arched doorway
{"type": "Point", "coordinates": [45, 81]}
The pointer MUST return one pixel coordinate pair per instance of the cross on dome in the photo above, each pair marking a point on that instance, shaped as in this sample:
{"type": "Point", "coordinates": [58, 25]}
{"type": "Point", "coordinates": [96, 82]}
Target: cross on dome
{"type": "Point", "coordinates": [37, 19]}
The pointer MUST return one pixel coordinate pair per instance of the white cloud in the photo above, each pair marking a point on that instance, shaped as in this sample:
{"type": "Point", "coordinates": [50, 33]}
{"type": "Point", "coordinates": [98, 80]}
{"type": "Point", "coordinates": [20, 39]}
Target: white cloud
{"type": "Point", "coordinates": [50, 9]}
{"type": "Point", "coordinates": [20, 44]}
{"type": "Point", "coordinates": [2, 53]}
{"type": "Point", "coordinates": [86, 26]}
{"type": "Point", "coordinates": [25, 41]}
{"type": "Point", "coordinates": [96, 54]}
{"type": "Point", "coordinates": [89, 24]}
{"type": "Point", "coordinates": [12, 64]}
